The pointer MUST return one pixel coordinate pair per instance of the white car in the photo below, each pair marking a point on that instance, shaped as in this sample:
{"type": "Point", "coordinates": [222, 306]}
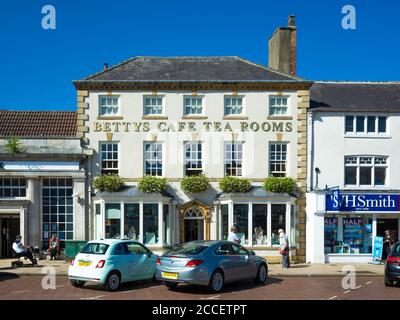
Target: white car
{"type": "Point", "coordinates": [111, 262]}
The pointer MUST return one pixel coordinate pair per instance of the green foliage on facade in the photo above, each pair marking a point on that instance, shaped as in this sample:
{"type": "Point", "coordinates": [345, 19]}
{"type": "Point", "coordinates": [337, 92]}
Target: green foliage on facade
{"type": "Point", "coordinates": [13, 145]}
{"type": "Point", "coordinates": [194, 184]}
{"type": "Point", "coordinates": [279, 185]}
{"type": "Point", "coordinates": [151, 184]}
{"type": "Point", "coordinates": [108, 183]}
{"type": "Point", "coordinates": [234, 185]}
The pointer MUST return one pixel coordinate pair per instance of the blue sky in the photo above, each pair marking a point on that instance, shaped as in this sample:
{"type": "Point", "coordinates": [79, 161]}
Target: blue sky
{"type": "Point", "coordinates": [38, 65]}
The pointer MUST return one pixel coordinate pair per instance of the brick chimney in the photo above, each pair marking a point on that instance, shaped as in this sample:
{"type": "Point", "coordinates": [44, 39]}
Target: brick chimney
{"type": "Point", "coordinates": [282, 48]}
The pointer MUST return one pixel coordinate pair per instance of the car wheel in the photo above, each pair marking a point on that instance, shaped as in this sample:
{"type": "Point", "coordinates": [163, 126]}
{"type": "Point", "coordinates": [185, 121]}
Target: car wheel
{"type": "Point", "coordinates": [113, 281]}
{"type": "Point", "coordinates": [216, 281]}
{"type": "Point", "coordinates": [77, 284]}
{"type": "Point", "coordinates": [262, 274]}
{"type": "Point", "coordinates": [388, 283]}
{"type": "Point", "coordinates": [171, 285]}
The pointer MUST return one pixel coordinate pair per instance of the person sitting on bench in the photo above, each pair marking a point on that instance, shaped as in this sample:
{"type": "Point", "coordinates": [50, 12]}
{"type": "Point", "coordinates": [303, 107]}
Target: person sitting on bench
{"type": "Point", "coordinates": [22, 251]}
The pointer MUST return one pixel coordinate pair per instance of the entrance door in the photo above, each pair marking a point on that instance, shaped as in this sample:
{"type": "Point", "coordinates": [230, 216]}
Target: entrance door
{"type": "Point", "coordinates": [9, 231]}
{"type": "Point", "coordinates": [194, 224]}
{"type": "Point", "coordinates": [383, 225]}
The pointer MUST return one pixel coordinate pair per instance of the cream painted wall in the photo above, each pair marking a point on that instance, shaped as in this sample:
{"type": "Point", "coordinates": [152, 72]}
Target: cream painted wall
{"type": "Point", "coordinates": [256, 108]}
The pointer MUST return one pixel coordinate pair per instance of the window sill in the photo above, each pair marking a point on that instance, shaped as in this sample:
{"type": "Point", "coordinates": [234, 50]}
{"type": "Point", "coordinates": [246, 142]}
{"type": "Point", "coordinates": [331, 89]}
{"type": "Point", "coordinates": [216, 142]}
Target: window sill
{"type": "Point", "coordinates": [194, 117]}
{"type": "Point", "coordinates": [279, 118]}
{"type": "Point", "coordinates": [236, 118]}
{"type": "Point", "coordinates": [368, 136]}
{"type": "Point", "coordinates": [155, 117]}
{"type": "Point", "coordinates": [110, 118]}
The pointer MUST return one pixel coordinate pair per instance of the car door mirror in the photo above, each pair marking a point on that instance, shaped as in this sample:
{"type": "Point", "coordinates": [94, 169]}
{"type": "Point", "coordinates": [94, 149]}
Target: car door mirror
{"type": "Point", "coordinates": [252, 253]}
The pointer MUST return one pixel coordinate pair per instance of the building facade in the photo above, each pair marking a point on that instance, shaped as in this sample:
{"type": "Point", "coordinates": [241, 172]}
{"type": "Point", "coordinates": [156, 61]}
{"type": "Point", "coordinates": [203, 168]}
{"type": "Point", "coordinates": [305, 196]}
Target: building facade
{"type": "Point", "coordinates": [218, 116]}
{"type": "Point", "coordinates": [42, 179]}
{"type": "Point", "coordinates": [353, 180]}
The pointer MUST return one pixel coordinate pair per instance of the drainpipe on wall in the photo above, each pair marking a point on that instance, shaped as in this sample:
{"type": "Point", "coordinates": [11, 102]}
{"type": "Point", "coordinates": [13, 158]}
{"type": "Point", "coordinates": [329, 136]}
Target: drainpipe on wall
{"type": "Point", "coordinates": [311, 151]}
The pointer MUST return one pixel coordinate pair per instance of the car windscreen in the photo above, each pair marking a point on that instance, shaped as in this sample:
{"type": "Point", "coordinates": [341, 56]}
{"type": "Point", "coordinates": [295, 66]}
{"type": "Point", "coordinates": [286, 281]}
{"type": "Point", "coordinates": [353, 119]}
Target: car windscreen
{"type": "Point", "coordinates": [95, 248]}
{"type": "Point", "coordinates": [187, 249]}
{"type": "Point", "coordinates": [396, 250]}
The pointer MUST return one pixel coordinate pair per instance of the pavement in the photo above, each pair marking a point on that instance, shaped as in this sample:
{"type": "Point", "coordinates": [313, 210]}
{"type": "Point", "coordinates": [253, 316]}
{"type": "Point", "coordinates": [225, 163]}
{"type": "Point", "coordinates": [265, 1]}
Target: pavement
{"type": "Point", "coordinates": [275, 270]}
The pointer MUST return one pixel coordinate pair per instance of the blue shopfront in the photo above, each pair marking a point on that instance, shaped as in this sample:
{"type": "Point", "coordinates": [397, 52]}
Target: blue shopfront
{"type": "Point", "coordinates": [342, 225]}
{"type": "Point", "coordinates": [353, 220]}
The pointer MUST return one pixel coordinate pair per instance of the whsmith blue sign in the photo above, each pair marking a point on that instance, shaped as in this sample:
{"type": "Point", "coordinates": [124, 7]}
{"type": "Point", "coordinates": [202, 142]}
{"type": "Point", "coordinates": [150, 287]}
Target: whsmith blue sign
{"type": "Point", "coordinates": [362, 202]}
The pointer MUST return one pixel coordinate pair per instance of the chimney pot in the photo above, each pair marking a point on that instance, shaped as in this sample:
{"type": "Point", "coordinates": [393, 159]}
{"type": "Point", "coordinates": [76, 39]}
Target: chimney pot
{"type": "Point", "coordinates": [292, 21]}
{"type": "Point", "coordinates": [105, 66]}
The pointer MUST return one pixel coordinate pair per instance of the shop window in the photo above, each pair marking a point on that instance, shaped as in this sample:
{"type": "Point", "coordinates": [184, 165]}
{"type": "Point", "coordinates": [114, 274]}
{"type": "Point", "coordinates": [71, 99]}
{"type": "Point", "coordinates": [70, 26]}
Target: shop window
{"type": "Point", "coordinates": [224, 221]}
{"type": "Point", "coordinates": [260, 218]}
{"type": "Point", "coordinates": [166, 225]}
{"type": "Point", "coordinates": [57, 210]}
{"type": "Point", "coordinates": [153, 158]}
{"type": "Point", "coordinates": [109, 157]}
{"type": "Point", "coordinates": [278, 221]}
{"type": "Point", "coordinates": [233, 158]}
{"type": "Point", "coordinates": [12, 187]}
{"type": "Point", "coordinates": [131, 221]}
{"type": "Point", "coordinates": [348, 235]}
{"type": "Point", "coordinates": [113, 220]}
{"type": "Point", "coordinates": [193, 158]}
{"type": "Point", "coordinates": [150, 223]}
{"type": "Point", "coordinates": [365, 170]}
{"type": "Point", "coordinates": [240, 219]}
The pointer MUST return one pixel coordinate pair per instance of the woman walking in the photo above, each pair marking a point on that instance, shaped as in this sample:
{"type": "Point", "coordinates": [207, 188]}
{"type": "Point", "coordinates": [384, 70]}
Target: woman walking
{"type": "Point", "coordinates": [284, 249]}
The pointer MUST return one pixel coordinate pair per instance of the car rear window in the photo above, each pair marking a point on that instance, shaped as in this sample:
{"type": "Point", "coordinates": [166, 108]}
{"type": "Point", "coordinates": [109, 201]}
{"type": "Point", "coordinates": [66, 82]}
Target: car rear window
{"type": "Point", "coordinates": [187, 249]}
{"type": "Point", "coordinates": [396, 250]}
{"type": "Point", "coordinates": [95, 248]}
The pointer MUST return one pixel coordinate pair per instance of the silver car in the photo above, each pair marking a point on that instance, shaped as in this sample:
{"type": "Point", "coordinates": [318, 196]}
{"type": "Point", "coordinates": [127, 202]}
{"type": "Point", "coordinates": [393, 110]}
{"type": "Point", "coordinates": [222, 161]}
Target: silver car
{"type": "Point", "coordinates": [210, 263]}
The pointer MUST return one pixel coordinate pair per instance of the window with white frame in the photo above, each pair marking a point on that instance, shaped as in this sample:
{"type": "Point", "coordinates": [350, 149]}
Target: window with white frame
{"type": "Point", "coordinates": [109, 157]}
{"type": "Point", "coordinates": [12, 187]}
{"type": "Point", "coordinates": [193, 106]}
{"type": "Point", "coordinates": [365, 170]}
{"type": "Point", "coordinates": [153, 159]}
{"type": "Point", "coordinates": [153, 105]}
{"type": "Point", "coordinates": [278, 159]}
{"type": "Point", "coordinates": [193, 158]}
{"type": "Point", "coordinates": [278, 105]}
{"type": "Point", "coordinates": [233, 158]}
{"type": "Point", "coordinates": [266, 220]}
{"type": "Point", "coordinates": [233, 106]}
{"type": "Point", "coordinates": [364, 125]}
{"type": "Point", "coordinates": [57, 210]}
{"type": "Point", "coordinates": [109, 105]}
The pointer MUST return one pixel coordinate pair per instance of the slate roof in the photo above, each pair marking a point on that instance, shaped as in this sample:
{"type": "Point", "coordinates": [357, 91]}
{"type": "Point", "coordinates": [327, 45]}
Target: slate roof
{"type": "Point", "coordinates": [355, 96]}
{"type": "Point", "coordinates": [189, 69]}
{"type": "Point", "coordinates": [38, 124]}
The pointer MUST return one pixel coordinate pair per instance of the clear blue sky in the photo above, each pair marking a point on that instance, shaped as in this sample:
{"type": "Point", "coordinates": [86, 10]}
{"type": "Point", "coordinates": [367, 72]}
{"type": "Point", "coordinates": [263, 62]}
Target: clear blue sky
{"type": "Point", "coordinates": [38, 66]}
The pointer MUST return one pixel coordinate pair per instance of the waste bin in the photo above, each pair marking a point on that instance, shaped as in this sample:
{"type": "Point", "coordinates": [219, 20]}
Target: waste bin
{"type": "Point", "coordinates": [72, 248]}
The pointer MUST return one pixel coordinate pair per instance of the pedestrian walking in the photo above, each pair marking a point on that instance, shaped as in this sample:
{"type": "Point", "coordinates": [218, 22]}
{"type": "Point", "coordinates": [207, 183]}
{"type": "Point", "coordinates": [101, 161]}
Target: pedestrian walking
{"type": "Point", "coordinates": [284, 249]}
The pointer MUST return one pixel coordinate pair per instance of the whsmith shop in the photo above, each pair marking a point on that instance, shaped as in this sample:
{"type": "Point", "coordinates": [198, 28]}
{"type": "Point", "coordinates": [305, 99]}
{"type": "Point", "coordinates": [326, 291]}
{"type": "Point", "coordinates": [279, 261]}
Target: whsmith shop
{"type": "Point", "coordinates": [353, 176]}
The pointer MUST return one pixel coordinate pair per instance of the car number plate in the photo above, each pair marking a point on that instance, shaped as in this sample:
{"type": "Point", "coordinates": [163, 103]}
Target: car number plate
{"type": "Point", "coordinates": [84, 263]}
{"type": "Point", "coordinates": [170, 275]}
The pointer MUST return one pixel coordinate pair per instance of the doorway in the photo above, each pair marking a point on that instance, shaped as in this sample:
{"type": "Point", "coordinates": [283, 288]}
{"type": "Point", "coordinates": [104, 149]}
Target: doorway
{"type": "Point", "coordinates": [383, 225]}
{"type": "Point", "coordinates": [194, 224]}
{"type": "Point", "coordinates": [9, 230]}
